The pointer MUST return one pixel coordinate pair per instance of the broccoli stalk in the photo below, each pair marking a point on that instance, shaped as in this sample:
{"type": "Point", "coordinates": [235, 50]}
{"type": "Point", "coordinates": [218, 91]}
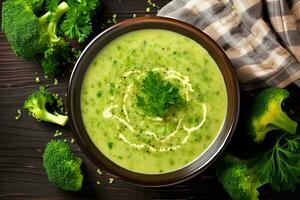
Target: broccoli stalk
{"type": "Point", "coordinates": [62, 167]}
{"type": "Point", "coordinates": [40, 114]}
{"type": "Point", "coordinates": [58, 51]}
{"type": "Point", "coordinates": [44, 106]}
{"type": "Point", "coordinates": [267, 114]}
{"type": "Point", "coordinates": [279, 167]}
{"type": "Point", "coordinates": [51, 26]}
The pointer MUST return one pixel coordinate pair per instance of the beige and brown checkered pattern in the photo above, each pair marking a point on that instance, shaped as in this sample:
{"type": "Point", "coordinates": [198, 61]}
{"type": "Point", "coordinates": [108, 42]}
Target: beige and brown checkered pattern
{"type": "Point", "coordinates": [261, 37]}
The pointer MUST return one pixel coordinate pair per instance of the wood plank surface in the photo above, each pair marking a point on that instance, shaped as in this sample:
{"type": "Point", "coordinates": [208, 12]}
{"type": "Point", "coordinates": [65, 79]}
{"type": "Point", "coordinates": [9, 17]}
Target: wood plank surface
{"type": "Point", "coordinates": [22, 141]}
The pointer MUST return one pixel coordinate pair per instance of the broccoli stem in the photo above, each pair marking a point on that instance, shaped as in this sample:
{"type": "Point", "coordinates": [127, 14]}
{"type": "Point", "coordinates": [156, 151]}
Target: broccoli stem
{"type": "Point", "coordinates": [55, 118]}
{"type": "Point", "coordinates": [62, 8]}
{"type": "Point", "coordinates": [44, 18]}
{"type": "Point", "coordinates": [285, 123]}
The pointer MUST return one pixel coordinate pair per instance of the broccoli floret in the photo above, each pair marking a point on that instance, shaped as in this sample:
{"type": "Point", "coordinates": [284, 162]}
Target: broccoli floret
{"type": "Point", "coordinates": [31, 27]}
{"type": "Point", "coordinates": [33, 37]}
{"type": "Point", "coordinates": [45, 106]}
{"type": "Point", "coordinates": [55, 56]}
{"type": "Point", "coordinates": [35, 5]}
{"type": "Point", "coordinates": [22, 28]}
{"type": "Point", "coordinates": [239, 178]}
{"type": "Point", "coordinates": [267, 114]}
{"type": "Point", "coordinates": [62, 167]}
{"type": "Point", "coordinates": [279, 167]}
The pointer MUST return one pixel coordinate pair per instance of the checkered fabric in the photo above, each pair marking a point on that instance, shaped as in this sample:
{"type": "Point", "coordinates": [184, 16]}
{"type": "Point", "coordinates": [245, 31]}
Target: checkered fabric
{"type": "Point", "coordinates": [260, 37]}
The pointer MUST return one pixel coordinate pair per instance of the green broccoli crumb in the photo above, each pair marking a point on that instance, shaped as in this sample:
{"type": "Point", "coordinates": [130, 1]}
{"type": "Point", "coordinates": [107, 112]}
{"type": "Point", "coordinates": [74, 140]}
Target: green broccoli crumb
{"type": "Point", "coordinates": [18, 114]}
{"type": "Point", "coordinates": [99, 171]}
{"type": "Point", "coordinates": [37, 80]}
{"type": "Point", "coordinates": [152, 4]}
{"type": "Point", "coordinates": [55, 82]}
{"type": "Point", "coordinates": [57, 133]}
{"type": "Point", "coordinates": [114, 19]}
{"type": "Point", "coordinates": [111, 180]}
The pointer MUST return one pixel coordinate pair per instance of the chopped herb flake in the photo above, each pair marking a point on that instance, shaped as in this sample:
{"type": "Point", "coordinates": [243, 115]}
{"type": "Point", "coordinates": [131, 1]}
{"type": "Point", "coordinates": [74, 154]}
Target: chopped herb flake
{"type": "Point", "coordinates": [112, 88]}
{"type": "Point", "coordinates": [99, 94]}
{"type": "Point", "coordinates": [110, 145]}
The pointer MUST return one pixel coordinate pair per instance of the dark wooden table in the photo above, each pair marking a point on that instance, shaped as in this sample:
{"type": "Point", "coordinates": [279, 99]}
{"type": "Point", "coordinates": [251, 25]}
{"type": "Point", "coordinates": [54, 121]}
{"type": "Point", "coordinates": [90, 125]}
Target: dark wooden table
{"type": "Point", "coordinates": [22, 141]}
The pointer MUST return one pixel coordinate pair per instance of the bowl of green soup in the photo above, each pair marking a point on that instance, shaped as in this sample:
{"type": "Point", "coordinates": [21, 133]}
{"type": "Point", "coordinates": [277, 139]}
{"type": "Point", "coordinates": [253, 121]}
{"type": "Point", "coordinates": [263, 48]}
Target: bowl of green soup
{"type": "Point", "coordinates": [153, 101]}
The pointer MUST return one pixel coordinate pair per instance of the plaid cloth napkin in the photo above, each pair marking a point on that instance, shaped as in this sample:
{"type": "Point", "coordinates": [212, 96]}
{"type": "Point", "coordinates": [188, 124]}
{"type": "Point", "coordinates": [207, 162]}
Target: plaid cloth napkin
{"type": "Point", "coordinates": [261, 37]}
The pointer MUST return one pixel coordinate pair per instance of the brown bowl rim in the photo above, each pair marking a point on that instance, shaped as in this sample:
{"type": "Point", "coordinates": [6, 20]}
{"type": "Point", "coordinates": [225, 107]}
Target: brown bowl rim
{"type": "Point", "coordinates": [203, 161]}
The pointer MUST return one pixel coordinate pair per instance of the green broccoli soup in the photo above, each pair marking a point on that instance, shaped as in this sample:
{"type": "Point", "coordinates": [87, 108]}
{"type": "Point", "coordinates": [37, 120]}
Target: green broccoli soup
{"type": "Point", "coordinates": [153, 101]}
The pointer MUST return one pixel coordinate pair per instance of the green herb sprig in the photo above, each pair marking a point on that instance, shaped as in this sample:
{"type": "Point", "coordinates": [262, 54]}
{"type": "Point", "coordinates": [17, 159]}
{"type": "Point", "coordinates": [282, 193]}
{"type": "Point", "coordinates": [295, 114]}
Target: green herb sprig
{"type": "Point", "coordinates": [158, 95]}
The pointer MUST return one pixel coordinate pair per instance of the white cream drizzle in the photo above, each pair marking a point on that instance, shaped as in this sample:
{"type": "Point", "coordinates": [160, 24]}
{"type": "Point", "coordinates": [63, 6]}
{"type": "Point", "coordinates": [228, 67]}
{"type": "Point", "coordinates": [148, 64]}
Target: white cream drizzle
{"type": "Point", "coordinates": [131, 72]}
{"type": "Point", "coordinates": [108, 114]}
{"type": "Point", "coordinates": [138, 146]}
{"type": "Point", "coordinates": [168, 137]}
{"type": "Point", "coordinates": [156, 119]}
{"type": "Point", "coordinates": [143, 146]}
{"type": "Point", "coordinates": [170, 74]}
{"type": "Point", "coordinates": [124, 102]}
{"type": "Point", "coordinates": [193, 129]}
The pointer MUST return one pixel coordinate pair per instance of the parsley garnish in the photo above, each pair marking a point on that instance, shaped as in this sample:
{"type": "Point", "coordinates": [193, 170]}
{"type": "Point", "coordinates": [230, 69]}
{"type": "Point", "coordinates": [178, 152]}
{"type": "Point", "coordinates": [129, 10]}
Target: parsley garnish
{"type": "Point", "coordinates": [158, 95]}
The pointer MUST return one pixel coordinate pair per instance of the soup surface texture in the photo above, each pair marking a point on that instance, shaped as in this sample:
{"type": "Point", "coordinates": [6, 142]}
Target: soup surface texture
{"type": "Point", "coordinates": [153, 101]}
